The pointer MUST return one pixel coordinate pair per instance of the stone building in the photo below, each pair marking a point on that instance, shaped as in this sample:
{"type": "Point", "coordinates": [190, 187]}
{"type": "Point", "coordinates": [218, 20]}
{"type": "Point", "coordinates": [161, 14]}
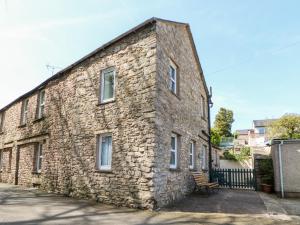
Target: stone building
{"type": "Point", "coordinates": [125, 124]}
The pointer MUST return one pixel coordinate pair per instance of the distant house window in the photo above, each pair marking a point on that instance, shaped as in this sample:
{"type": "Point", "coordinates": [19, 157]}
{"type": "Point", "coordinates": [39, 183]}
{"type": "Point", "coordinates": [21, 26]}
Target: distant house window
{"type": "Point", "coordinates": [203, 157]}
{"type": "Point", "coordinates": [1, 121]}
{"type": "Point", "coordinates": [38, 158]}
{"type": "Point", "coordinates": [261, 130]}
{"type": "Point", "coordinates": [108, 85]}
{"type": "Point", "coordinates": [104, 152]}
{"type": "Point", "coordinates": [41, 104]}
{"type": "Point", "coordinates": [173, 78]}
{"type": "Point", "coordinates": [191, 155]}
{"type": "Point", "coordinates": [173, 151]}
{"type": "Point", "coordinates": [203, 107]}
{"type": "Point", "coordinates": [24, 112]}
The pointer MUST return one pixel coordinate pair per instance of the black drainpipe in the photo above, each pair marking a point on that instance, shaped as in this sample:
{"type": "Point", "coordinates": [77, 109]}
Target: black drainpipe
{"type": "Point", "coordinates": [209, 105]}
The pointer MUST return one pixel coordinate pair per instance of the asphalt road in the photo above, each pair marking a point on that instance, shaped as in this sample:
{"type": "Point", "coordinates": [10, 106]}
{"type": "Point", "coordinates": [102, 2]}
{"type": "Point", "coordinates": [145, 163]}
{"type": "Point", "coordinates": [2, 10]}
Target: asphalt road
{"type": "Point", "coordinates": [28, 206]}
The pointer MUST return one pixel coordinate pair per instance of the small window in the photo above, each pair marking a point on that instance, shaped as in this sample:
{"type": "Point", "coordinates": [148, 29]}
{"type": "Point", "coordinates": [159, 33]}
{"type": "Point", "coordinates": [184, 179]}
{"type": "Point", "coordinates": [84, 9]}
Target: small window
{"type": "Point", "coordinates": [41, 104]}
{"type": "Point", "coordinates": [203, 106]}
{"type": "Point", "coordinates": [173, 78]}
{"type": "Point", "coordinates": [1, 159]}
{"type": "Point", "coordinates": [173, 151]}
{"type": "Point", "coordinates": [38, 158]}
{"type": "Point", "coordinates": [203, 157]}
{"type": "Point", "coordinates": [24, 112]}
{"type": "Point", "coordinates": [104, 152]}
{"type": "Point", "coordinates": [108, 85]}
{"type": "Point", "coordinates": [1, 121]}
{"type": "Point", "coordinates": [191, 155]}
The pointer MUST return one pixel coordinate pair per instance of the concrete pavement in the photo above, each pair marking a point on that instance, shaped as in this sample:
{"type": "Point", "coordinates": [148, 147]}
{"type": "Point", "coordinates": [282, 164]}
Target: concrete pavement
{"type": "Point", "coordinates": [29, 206]}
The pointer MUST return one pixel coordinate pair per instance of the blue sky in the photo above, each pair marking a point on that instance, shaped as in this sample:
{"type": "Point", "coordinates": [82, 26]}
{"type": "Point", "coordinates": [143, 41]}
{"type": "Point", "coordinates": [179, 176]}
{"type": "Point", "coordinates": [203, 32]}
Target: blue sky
{"type": "Point", "coordinates": [249, 50]}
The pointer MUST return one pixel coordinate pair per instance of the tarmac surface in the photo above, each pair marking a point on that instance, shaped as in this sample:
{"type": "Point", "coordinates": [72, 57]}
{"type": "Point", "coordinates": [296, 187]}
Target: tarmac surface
{"type": "Point", "coordinates": [30, 206]}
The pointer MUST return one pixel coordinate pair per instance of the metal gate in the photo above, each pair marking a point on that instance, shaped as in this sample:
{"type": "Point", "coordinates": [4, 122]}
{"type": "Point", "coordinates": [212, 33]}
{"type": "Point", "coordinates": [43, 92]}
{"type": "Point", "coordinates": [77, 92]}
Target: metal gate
{"type": "Point", "coordinates": [235, 178]}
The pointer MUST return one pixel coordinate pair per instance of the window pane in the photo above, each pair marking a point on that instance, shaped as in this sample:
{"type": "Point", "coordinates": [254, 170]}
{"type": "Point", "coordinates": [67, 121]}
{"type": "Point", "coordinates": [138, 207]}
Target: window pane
{"type": "Point", "coordinates": [172, 73]}
{"type": "Point", "coordinates": [106, 147]}
{"type": "Point", "coordinates": [42, 97]}
{"type": "Point", "coordinates": [191, 148]}
{"type": "Point", "coordinates": [108, 89]}
{"type": "Point", "coordinates": [173, 86]}
{"type": "Point", "coordinates": [191, 160]}
{"type": "Point", "coordinates": [173, 143]}
{"type": "Point", "coordinates": [39, 157]}
{"type": "Point", "coordinates": [172, 159]}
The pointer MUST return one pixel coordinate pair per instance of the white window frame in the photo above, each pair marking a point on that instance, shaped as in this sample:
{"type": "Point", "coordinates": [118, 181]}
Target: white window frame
{"type": "Point", "coordinates": [192, 154]}
{"type": "Point", "coordinates": [24, 111]}
{"type": "Point", "coordinates": [1, 159]}
{"type": "Point", "coordinates": [41, 104]}
{"type": "Point", "coordinates": [171, 79]}
{"type": "Point", "coordinates": [102, 85]}
{"type": "Point", "coordinates": [39, 157]}
{"type": "Point", "coordinates": [174, 166]}
{"type": "Point", "coordinates": [99, 166]}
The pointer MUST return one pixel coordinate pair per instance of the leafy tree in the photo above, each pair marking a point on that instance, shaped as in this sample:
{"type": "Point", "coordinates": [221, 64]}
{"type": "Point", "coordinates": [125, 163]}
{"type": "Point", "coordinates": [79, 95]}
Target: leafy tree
{"type": "Point", "coordinates": [215, 137]}
{"type": "Point", "coordinates": [223, 122]}
{"type": "Point", "coordinates": [288, 126]}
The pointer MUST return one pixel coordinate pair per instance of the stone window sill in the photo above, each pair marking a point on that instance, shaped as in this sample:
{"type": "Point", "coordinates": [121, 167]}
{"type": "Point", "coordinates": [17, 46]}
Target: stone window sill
{"type": "Point", "coordinates": [102, 171]}
{"type": "Point", "coordinates": [176, 95]}
{"type": "Point", "coordinates": [37, 172]}
{"type": "Point", "coordinates": [39, 119]}
{"type": "Point", "coordinates": [105, 103]}
{"type": "Point", "coordinates": [175, 169]}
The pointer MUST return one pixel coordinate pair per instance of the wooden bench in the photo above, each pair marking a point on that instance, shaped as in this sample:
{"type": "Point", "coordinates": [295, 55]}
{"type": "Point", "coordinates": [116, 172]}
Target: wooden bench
{"type": "Point", "coordinates": [202, 182]}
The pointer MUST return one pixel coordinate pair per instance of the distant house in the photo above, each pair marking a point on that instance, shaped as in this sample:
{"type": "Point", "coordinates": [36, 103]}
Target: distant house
{"type": "Point", "coordinates": [256, 137]}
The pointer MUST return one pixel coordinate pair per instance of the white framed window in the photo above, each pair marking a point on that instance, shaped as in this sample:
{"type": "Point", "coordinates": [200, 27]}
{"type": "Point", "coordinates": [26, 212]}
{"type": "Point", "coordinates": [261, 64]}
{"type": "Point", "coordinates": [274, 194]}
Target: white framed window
{"type": "Point", "coordinates": [104, 152]}
{"type": "Point", "coordinates": [38, 158]}
{"type": "Point", "coordinates": [203, 114]}
{"type": "Point", "coordinates": [107, 86]}
{"type": "Point", "coordinates": [191, 155]}
{"type": "Point", "coordinates": [173, 151]}
{"type": "Point", "coordinates": [1, 159]}
{"type": "Point", "coordinates": [173, 77]}
{"type": "Point", "coordinates": [203, 157]}
{"type": "Point", "coordinates": [24, 111]}
{"type": "Point", "coordinates": [41, 104]}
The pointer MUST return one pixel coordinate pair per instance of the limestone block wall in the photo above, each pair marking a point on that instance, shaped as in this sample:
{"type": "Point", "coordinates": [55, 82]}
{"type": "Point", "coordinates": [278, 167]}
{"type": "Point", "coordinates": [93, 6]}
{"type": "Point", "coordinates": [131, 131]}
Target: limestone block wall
{"type": "Point", "coordinates": [179, 113]}
{"type": "Point", "coordinates": [74, 118]}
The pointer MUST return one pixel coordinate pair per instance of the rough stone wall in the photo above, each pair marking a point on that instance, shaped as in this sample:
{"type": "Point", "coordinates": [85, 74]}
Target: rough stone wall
{"type": "Point", "coordinates": [140, 119]}
{"type": "Point", "coordinates": [74, 118]}
{"type": "Point", "coordinates": [180, 114]}
{"type": "Point", "coordinates": [26, 164]}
